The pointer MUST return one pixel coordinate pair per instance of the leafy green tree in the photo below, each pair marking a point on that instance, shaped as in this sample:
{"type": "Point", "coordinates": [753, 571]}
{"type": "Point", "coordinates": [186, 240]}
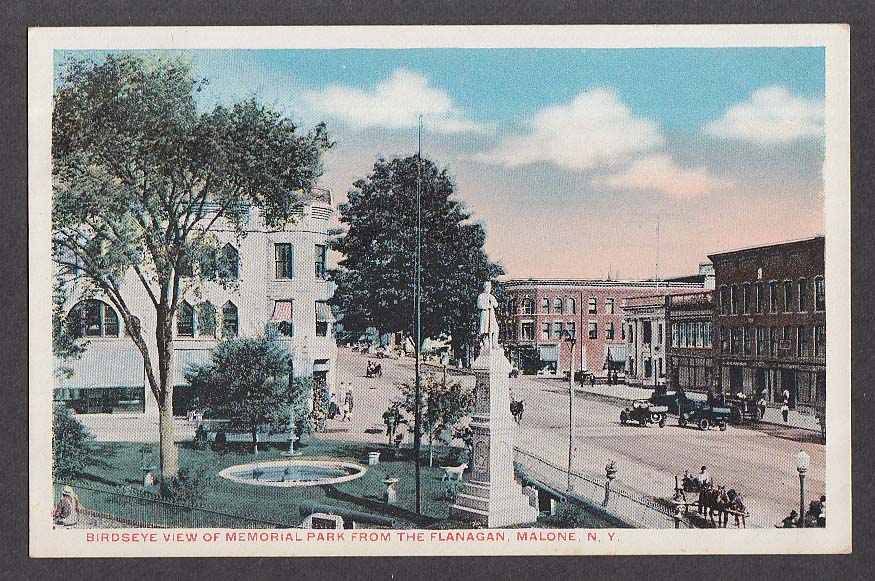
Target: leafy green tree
{"type": "Point", "coordinates": [71, 445]}
{"type": "Point", "coordinates": [65, 345]}
{"type": "Point", "coordinates": [443, 406]}
{"type": "Point", "coordinates": [247, 383]}
{"type": "Point", "coordinates": [142, 178]}
{"type": "Point", "coordinates": [376, 275]}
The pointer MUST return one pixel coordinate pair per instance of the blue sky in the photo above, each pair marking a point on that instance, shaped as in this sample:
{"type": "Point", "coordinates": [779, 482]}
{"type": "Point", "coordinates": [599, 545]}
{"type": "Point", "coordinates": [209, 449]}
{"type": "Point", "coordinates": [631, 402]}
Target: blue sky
{"type": "Point", "coordinates": [569, 155]}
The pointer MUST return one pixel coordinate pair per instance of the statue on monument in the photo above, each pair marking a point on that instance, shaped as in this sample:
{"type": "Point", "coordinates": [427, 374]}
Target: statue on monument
{"type": "Point", "coordinates": [487, 304]}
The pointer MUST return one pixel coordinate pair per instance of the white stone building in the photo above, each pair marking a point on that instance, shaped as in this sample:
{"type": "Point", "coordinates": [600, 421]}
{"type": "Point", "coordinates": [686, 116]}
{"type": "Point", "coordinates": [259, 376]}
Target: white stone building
{"type": "Point", "coordinates": [280, 281]}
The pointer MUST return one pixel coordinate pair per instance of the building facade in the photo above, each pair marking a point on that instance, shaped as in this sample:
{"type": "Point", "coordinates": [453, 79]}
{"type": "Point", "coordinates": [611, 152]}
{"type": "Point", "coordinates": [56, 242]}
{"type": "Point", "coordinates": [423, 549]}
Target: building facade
{"type": "Point", "coordinates": [544, 311]}
{"type": "Point", "coordinates": [770, 322]}
{"type": "Point", "coordinates": [690, 353]}
{"type": "Point", "coordinates": [645, 340]}
{"type": "Point", "coordinates": [278, 279]}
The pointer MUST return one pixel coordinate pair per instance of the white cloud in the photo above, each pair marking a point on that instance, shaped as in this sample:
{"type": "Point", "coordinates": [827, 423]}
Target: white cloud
{"type": "Point", "coordinates": [395, 103]}
{"type": "Point", "coordinates": [595, 128]}
{"type": "Point", "coordinates": [771, 115]}
{"type": "Point", "coordinates": [660, 173]}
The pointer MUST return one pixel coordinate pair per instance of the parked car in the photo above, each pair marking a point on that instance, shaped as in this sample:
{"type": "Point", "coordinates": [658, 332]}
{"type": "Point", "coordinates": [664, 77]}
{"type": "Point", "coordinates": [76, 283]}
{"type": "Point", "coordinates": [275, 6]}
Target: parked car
{"type": "Point", "coordinates": [644, 412]}
{"type": "Point", "coordinates": [705, 416]}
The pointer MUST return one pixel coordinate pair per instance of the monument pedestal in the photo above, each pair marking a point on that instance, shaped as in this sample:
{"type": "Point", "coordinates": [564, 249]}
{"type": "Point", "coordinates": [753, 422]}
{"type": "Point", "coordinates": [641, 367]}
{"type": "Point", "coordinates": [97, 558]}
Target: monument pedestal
{"type": "Point", "coordinates": [492, 496]}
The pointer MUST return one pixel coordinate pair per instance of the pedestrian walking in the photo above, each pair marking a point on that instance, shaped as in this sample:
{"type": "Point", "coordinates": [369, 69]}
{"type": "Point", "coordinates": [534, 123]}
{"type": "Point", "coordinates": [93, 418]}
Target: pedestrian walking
{"type": "Point", "coordinates": [389, 420]}
{"type": "Point", "coordinates": [349, 397]}
{"type": "Point", "coordinates": [785, 395]}
{"type": "Point", "coordinates": [345, 415]}
{"type": "Point", "coordinates": [761, 404]}
{"type": "Point", "coordinates": [785, 412]}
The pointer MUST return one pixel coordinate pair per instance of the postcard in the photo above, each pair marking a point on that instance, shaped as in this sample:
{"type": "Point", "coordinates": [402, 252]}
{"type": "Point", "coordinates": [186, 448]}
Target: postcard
{"type": "Point", "coordinates": [445, 290]}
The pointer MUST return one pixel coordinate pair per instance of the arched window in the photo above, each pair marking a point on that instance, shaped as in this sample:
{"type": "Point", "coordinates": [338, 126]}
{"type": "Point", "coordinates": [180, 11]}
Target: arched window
{"type": "Point", "coordinates": [545, 305]}
{"type": "Point", "coordinates": [92, 318]}
{"type": "Point", "coordinates": [185, 320]}
{"type": "Point", "coordinates": [206, 319]}
{"type": "Point", "coordinates": [557, 305]}
{"type": "Point", "coordinates": [230, 324]}
{"type": "Point", "coordinates": [528, 306]}
{"type": "Point", "coordinates": [230, 265]}
{"type": "Point", "coordinates": [572, 305]}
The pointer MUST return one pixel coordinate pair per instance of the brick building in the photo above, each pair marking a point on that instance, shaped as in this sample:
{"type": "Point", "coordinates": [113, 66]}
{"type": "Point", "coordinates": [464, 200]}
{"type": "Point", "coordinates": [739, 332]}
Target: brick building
{"type": "Point", "coordinates": [544, 309]}
{"type": "Point", "coordinates": [770, 322]}
{"type": "Point", "coordinates": [689, 352]}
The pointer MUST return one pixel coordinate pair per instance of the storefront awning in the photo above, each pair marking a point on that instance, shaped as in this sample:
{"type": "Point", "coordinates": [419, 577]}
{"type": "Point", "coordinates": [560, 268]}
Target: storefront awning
{"type": "Point", "coordinates": [282, 312]}
{"type": "Point", "coordinates": [615, 357]}
{"type": "Point", "coordinates": [104, 367]}
{"type": "Point", "coordinates": [550, 353]}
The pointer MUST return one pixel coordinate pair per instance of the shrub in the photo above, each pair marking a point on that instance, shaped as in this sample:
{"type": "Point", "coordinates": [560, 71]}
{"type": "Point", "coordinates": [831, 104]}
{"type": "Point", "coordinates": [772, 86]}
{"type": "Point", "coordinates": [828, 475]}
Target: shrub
{"type": "Point", "coordinates": [71, 449]}
{"type": "Point", "coordinates": [569, 516]}
{"type": "Point", "coordinates": [187, 487]}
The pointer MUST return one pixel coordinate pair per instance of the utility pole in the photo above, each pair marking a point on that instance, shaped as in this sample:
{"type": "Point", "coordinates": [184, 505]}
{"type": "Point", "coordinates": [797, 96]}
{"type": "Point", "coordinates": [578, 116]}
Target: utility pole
{"type": "Point", "coordinates": [573, 339]}
{"type": "Point", "coordinates": [417, 440]}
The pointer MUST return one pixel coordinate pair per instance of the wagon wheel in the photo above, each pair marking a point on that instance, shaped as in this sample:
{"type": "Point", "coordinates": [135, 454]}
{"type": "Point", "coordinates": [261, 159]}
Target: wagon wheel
{"type": "Point", "coordinates": [662, 423]}
{"type": "Point", "coordinates": [722, 426]}
{"type": "Point", "coordinates": [623, 418]}
{"type": "Point", "coordinates": [682, 420]}
{"type": "Point", "coordinates": [655, 418]}
{"type": "Point", "coordinates": [735, 416]}
{"type": "Point", "coordinates": [703, 424]}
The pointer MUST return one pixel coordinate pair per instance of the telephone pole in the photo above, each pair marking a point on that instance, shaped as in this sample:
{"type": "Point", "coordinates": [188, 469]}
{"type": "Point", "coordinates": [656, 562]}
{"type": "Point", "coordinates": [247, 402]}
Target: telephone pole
{"type": "Point", "coordinates": [417, 440]}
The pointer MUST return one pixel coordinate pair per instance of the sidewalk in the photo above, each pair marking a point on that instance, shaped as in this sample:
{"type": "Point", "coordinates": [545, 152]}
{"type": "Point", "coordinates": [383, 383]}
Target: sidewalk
{"type": "Point", "coordinates": [626, 393]}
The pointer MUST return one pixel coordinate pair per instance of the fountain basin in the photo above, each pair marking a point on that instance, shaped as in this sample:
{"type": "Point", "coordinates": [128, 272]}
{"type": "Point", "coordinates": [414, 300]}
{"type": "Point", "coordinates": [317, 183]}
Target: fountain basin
{"type": "Point", "coordinates": [294, 473]}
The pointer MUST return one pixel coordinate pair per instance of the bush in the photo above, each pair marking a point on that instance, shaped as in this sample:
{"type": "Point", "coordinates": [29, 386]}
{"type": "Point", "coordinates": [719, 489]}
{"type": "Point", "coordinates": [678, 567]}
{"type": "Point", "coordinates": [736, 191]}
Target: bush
{"type": "Point", "coordinates": [220, 444]}
{"type": "Point", "coordinates": [569, 516]}
{"type": "Point", "coordinates": [186, 487]}
{"type": "Point", "coordinates": [71, 449]}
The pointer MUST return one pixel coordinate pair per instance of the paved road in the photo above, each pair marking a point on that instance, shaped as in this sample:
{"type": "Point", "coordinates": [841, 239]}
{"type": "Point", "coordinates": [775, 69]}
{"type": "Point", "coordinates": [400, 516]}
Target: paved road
{"type": "Point", "coordinates": [760, 463]}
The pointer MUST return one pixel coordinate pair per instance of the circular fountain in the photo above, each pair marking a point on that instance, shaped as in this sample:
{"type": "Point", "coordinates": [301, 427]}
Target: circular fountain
{"type": "Point", "coordinates": [294, 473]}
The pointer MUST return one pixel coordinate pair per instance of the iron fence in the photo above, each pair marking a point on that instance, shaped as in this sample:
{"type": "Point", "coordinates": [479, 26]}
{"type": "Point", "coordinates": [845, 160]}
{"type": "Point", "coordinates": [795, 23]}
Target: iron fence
{"type": "Point", "coordinates": [635, 509]}
{"type": "Point", "coordinates": [120, 507]}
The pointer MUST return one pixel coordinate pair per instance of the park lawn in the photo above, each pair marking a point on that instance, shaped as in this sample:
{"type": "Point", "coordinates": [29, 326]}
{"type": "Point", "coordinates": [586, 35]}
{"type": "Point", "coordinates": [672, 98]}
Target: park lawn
{"type": "Point", "coordinates": [120, 464]}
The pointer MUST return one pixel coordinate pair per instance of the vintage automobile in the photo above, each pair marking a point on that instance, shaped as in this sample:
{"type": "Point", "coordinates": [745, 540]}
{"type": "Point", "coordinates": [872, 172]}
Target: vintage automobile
{"type": "Point", "coordinates": [675, 401]}
{"type": "Point", "coordinates": [705, 416]}
{"type": "Point", "coordinates": [644, 412]}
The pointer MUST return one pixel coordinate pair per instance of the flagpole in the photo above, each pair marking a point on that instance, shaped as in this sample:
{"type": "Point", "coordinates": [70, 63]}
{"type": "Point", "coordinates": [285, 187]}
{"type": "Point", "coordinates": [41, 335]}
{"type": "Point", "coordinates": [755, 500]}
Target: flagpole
{"type": "Point", "coordinates": [417, 440]}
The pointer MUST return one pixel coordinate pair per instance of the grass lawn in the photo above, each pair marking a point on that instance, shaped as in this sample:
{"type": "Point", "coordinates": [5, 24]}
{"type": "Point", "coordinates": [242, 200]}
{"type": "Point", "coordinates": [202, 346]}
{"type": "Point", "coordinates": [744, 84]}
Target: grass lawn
{"type": "Point", "coordinates": [119, 464]}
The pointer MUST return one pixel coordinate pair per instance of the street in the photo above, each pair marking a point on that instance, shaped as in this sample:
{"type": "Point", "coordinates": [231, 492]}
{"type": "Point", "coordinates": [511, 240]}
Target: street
{"type": "Point", "coordinates": [757, 462]}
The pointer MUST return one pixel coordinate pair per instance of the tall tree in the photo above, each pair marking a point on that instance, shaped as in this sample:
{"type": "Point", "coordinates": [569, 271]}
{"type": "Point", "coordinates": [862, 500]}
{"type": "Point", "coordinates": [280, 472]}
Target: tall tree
{"type": "Point", "coordinates": [247, 383]}
{"type": "Point", "coordinates": [444, 406]}
{"type": "Point", "coordinates": [141, 180]}
{"type": "Point", "coordinates": [376, 275]}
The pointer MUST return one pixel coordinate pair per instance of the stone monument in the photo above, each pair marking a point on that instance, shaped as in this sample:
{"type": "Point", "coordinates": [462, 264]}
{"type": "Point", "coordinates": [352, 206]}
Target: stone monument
{"type": "Point", "coordinates": [492, 496]}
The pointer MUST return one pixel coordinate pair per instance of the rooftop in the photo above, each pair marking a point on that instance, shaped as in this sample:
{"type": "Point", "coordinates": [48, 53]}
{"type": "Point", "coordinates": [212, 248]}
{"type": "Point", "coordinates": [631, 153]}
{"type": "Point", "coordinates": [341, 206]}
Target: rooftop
{"type": "Point", "coordinates": [598, 282]}
{"type": "Point", "coordinates": [770, 245]}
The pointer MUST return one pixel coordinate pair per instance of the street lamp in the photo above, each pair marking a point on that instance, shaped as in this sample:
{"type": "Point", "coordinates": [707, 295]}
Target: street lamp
{"type": "Point", "coordinates": [570, 337]}
{"type": "Point", "coordinates": [802, 461]}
